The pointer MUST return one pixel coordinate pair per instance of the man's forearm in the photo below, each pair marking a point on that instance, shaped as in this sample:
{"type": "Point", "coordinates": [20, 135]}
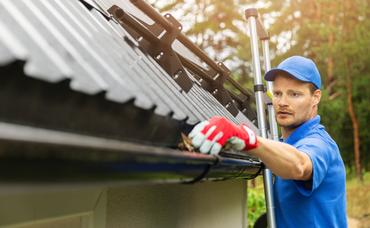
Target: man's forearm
{"type": "Point", "coordinates": [283, 159]}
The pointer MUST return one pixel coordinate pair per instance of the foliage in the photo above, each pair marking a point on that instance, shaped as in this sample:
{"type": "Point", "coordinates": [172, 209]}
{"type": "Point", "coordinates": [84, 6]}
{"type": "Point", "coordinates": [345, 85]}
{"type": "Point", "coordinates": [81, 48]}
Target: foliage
{"type": "Point", "coordinates": [256, 204]}
{"type": "Point", "coordinates": [358, 198]}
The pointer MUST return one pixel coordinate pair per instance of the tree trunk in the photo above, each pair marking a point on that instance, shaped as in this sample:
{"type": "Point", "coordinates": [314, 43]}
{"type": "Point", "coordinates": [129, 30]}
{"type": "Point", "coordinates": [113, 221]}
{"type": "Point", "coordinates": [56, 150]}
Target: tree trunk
{"type": "Point", "coordinates": [330, 80]}
{"type": "Point", "coordinates": [349, 7]}
{"type": "Point", "coordinates": [355, 126]}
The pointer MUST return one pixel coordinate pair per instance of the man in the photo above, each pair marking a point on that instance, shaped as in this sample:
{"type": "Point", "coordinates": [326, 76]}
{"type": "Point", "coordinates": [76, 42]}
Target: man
{"type": "Point", "coordinates": [309, 187]}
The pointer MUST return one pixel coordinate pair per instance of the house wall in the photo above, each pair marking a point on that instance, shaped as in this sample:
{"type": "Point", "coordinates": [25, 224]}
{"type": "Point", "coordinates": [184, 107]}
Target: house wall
{"type": "Point", "coordinates": [209, 204]}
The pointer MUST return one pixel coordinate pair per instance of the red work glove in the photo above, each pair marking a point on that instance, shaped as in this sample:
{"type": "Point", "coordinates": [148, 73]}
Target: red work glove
{"type": "Point", "coordinates": [210, 136]}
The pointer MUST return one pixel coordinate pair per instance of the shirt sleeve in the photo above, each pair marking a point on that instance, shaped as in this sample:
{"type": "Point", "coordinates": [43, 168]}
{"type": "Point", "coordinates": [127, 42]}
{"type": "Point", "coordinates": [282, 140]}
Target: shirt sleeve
{"type": "Point", "coordinates": [319, 152]}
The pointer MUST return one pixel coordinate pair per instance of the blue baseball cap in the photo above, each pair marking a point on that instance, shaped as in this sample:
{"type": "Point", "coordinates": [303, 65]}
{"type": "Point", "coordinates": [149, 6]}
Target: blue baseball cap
{"type": "Point", "coordinates": [299, 67]}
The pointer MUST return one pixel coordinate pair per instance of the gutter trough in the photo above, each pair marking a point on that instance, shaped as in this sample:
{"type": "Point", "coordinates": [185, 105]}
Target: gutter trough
{"type": "Point", "coordinates": [30, 155]}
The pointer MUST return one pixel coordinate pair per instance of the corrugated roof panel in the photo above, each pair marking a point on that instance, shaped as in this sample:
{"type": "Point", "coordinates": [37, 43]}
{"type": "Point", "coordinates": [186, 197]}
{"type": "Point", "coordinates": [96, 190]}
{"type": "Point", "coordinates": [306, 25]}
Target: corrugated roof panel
{"type": "Point", "coordinates": [183, 98]}
{"type": "Point", "coordinates": [44, 62]}
{"type": "Point", "coordinates": [163, 78]}
{"type": "Point", "coordinates": [85, 78]}
{"type": "Point", "coordinates": [81, 53]}
{"type": "Point", "coordinates": [106, 92]}
{"type": "Point", "coordinates": [201, 107]}
{"type": "Point", "coordinates": [147, 77]}
{"type": "Point", "coordinates": [215, 105]}
{"type": "Point", "coordinates": [243, 119]}
{"type": "Point", "coordinates": [64, 40]}
{"type": "Point", "coordinates": [7, 55]}
{"type": "Point", "coordinates": [127, 60]}
{"type": "Point", "coordinates": [203, 101]}
{"type": "Point", "coordinates": [130, 8]}
{"type": "Point", "coordinates": [163, 82]}
{"type": "Point", "coordinates": [10, 46]}
{"type": "Point", "coordinates": [89, 41]}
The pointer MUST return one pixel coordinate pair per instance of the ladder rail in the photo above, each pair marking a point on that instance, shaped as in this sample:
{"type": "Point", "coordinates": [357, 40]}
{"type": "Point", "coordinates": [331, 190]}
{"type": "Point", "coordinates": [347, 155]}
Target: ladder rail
{"type": "Point", "coordinates": [252, 15]}
{"type": "Point", "coordinates": [270, 108]}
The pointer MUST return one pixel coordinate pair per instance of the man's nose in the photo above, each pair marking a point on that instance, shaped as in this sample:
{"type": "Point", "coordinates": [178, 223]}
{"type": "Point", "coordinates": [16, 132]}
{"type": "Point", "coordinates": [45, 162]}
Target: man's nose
{"type": "Point", "coordinates": [282, 101]}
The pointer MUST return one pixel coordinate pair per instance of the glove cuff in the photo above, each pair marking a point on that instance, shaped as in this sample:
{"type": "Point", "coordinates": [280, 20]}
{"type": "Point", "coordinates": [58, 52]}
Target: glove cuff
{"type": "Point", "coordinates": [249, 138]}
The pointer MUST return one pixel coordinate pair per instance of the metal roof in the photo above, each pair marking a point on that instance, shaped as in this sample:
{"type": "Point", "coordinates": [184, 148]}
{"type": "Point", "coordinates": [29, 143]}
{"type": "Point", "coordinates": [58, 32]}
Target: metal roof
{"type": "Point", "coordinates": [75, 85]}
{"type": "Point", "coordinates": [61, 40]}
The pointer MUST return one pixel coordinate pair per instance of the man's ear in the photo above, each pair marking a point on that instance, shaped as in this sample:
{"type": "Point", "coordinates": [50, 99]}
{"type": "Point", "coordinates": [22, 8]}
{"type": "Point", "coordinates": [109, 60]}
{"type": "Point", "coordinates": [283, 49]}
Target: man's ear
{"type": "Point", "coordinates": [316, 96]}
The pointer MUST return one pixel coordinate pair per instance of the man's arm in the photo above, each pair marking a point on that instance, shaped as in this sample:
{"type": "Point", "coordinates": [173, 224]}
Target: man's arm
{"type": "Point", "coordinates": [283, 159]}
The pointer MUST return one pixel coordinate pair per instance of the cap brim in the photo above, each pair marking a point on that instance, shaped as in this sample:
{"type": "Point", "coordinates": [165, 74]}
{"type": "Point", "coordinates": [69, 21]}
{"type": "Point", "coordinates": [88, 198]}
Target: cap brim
{"type": "Point", "coordinates": [271, 74]}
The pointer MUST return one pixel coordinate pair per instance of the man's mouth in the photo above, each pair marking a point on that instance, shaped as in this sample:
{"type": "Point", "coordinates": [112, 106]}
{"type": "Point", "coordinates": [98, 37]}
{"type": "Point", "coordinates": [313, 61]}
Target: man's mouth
{"type": "Point", "coordinates": [284, 113]}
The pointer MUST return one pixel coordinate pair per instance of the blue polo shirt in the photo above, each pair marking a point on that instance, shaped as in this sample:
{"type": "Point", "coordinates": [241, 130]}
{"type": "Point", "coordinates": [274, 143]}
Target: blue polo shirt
{"type": "Point", "coordinates": [321, 201]}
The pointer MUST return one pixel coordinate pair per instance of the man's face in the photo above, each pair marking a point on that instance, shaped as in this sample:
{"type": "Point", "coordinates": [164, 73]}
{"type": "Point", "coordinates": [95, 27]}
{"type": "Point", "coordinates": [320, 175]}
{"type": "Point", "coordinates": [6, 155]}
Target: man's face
{"type": "Point", "coordinates": [293, 101]}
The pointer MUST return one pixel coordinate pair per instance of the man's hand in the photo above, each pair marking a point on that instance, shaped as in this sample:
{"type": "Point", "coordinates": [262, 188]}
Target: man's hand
{"type": "Point", "coordinates": [211, 135]}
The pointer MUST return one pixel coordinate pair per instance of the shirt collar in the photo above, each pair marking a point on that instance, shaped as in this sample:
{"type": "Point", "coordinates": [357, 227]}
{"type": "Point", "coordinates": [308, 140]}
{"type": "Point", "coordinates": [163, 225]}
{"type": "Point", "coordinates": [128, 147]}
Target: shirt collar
{"type": "Point", "coordinates": [302, 130]}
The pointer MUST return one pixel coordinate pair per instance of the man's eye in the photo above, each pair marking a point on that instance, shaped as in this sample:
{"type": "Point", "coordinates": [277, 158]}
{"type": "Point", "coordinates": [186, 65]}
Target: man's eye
{"type": "Point", "coordinates": [296, 94]}
{"type": "Point", "coordinates": [276, 94]}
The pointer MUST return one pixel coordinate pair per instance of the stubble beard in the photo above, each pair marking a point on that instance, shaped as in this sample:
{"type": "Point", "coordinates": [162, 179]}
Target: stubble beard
{"type": "Point", "coordinates": [289, 127]}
